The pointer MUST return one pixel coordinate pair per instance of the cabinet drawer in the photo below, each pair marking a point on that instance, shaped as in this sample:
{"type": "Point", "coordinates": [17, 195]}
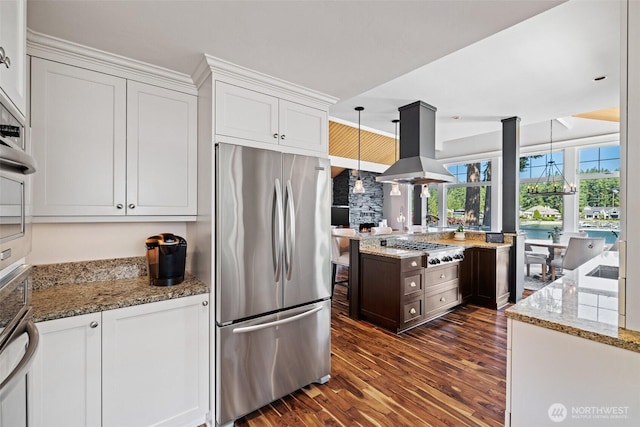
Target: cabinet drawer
{"type": "Point", "coordinates": [413, 263]}
{"type": "Point", "coordinates": [442, 300]}
{"type": "Point", "coordinates": [441, 274]}
{"type": "Point", "coordinates": [413, 310]}
{"type": "Point", "coordinates": [412, 283]}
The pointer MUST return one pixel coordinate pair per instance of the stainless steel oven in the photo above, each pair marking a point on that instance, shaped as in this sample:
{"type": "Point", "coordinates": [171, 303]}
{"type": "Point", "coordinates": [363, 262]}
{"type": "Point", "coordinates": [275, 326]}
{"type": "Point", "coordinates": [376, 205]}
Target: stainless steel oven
{"type": "Point", "coordinates": [15, 167]}
{"type": "Point", "coordinates": [18, 333]}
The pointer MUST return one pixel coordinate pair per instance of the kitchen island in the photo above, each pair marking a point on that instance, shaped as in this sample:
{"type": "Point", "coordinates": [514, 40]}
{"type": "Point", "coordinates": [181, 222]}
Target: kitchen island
{"type": "Point", "coordinates": [398, 289]}
{"type": "Point", "coordinates": [567, 359]}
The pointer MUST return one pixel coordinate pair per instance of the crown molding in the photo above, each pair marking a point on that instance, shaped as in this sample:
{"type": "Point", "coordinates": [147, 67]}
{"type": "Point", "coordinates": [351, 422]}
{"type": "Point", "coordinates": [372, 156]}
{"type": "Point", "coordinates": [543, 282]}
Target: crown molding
{"type": "Point", "coordinates": [225, 70]}
{"type": "Point", "coordinates": [56, 49]}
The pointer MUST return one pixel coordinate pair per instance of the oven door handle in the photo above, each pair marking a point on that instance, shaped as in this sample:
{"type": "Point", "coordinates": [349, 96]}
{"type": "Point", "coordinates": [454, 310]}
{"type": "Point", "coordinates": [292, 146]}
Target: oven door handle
{"type": "Point", "coordinates": [17, 160]}
{"type": "Point", "coordinates": [25, 363]}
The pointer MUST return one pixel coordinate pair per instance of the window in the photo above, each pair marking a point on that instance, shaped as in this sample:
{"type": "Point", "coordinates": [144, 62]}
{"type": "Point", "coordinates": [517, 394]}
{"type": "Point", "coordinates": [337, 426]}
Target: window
{"type": "Point", "coordinates": [469, 201]}
{"type": "Point", "coordinates": [599, 191]}
{"type": "Point", "coordinates": [540, 214]}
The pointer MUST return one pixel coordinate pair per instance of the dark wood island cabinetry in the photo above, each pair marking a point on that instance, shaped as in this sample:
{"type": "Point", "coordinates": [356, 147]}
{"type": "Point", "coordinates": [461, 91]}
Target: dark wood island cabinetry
{"type": "Point", "coordinates": [485, 276]}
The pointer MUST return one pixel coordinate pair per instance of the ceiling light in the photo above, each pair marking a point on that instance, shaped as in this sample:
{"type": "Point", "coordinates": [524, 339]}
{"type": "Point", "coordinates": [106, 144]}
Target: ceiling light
{"type": "Point", "coordinates": [359, 186]}
{"type": "Point", "coordinates": [425, 192]}
{"type": "Point", "coordinates": [548, 184]}
{"type": "Point", "coordinates": [395, 187]}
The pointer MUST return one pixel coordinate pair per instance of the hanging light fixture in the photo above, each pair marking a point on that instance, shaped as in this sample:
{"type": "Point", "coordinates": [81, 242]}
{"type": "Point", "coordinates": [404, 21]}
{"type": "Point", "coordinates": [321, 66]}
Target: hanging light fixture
{"type": "Point", "coordinates": [395, 187]}
{"type": "Point", "coordinates": [358, 187]}
{"type": "Point", "coordinates": [425, 192]}
{"type": "Point", "coordinates": [548, 184]}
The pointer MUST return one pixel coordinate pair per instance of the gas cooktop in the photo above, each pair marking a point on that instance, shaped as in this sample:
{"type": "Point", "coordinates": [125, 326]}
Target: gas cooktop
{"type": "Point", "coordinates": [434, 253]}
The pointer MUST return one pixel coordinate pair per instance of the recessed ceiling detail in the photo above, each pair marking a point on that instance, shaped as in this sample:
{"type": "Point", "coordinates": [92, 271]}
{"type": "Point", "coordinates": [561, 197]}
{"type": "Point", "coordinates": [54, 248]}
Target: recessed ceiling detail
{"type": "Point", "coordinates": [609, 114]}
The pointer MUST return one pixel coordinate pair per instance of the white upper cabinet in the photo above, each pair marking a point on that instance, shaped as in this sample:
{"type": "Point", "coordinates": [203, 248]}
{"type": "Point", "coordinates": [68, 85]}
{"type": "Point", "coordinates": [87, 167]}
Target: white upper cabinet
{"type": "Point", "coordinates": [251, 115]}
{"type": "Point", "coordinates": [161, 151]}
{"type": "Point", "coordinates": [13, 32]}
{"type": "Point", "coordinates": [302, 126]}
{"type": "Point", "coordinates": [78, 135]}
{"type": "Point", "coordinates": [109, 147]}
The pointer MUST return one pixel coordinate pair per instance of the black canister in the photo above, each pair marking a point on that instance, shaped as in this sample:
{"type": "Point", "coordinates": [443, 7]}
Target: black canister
{"type": "Point", "coordinates": [166, 257]}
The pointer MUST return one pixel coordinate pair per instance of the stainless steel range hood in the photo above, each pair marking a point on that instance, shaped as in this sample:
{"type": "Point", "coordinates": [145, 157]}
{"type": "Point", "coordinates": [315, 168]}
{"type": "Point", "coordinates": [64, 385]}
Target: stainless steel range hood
{"type": "Point", "coordinates": [417, 164]}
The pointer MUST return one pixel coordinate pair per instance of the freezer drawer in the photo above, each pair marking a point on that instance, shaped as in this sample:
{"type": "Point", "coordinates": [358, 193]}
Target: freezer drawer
{"type": "Point", "coordinates": [263, 359]}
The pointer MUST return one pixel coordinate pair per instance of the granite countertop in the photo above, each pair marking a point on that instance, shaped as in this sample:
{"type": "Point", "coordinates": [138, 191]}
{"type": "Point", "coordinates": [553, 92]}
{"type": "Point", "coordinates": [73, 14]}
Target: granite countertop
{"type": "Point", "coordinates": [71, 289]}
{"type": "Point", "coordinates": [391, 252]}
{"type": "Point", "coordinates": [579, 305]}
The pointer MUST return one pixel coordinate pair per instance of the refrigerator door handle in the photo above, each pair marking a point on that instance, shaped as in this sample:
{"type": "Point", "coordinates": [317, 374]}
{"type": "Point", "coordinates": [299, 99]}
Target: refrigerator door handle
{"type": "Point", "coordinates": [277, 230]}
{"type": "Point", "coordinates": [290, 243]}
{"type": "Point", "coordinates": [277, 322]}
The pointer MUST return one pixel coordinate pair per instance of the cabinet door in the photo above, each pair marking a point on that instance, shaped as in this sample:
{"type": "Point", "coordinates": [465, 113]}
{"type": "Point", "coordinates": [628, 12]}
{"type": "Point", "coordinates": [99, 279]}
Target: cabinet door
{"type": "Point", "coordinates": [156, 364]}
{"type": "Point", "coordinates": [13, 40]}
{"type": "Point", "coordinates": [78, 140]}
{"type": "Point", "coordinates": [246, 114]}
{"type": "Point", "coordinates": [303, 127]}
{"type": "Point", "coordinates": [161, 151]}
{"type": "Point", "coordinates": [65, 376]}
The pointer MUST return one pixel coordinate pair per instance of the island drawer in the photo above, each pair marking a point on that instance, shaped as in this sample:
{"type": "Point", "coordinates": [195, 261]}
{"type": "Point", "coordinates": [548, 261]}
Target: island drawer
{"type": "Point", "coordinates": [413, 310]}
{"type": "Point", "coordinates": [413, 263]}
{"type": "Point", "coordinates": [442, 300]}
{"type": "Point", "coordinates": [412, 283]}
{"type": "Point", "coordinates": [437, 275]}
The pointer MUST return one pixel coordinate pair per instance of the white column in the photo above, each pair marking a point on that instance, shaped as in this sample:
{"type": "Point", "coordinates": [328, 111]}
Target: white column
{"type": "Point", "coordinates": [630, 159]}
{"type": "Point", "coordinates": [496, 193]}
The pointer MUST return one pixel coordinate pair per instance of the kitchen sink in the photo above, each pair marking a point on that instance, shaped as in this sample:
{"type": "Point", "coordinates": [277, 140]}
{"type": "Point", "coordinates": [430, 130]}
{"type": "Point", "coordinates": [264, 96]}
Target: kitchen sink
{"type": "Point", "coordinates": [605, 272]}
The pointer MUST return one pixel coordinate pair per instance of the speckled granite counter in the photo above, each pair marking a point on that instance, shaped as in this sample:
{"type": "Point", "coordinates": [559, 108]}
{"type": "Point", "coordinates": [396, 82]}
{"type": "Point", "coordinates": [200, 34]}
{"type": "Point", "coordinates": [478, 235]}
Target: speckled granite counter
{"type": "Point", "coordinates": [370, 244]}
{"type": "Point", "coordinates": [71, 289]}
{"type": "Point", "coordinates": [579, 305]}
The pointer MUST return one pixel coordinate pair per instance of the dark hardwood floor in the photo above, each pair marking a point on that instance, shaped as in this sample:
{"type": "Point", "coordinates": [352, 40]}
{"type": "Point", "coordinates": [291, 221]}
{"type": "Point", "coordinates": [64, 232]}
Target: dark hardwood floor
{"type": "Point", "coordinates": [449, 372]}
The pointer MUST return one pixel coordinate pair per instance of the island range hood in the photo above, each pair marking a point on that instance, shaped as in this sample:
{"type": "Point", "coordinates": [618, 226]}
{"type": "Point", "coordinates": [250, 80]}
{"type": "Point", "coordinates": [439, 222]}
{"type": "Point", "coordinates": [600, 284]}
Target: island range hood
{"type": "Point", "coordinates": [417, 164]}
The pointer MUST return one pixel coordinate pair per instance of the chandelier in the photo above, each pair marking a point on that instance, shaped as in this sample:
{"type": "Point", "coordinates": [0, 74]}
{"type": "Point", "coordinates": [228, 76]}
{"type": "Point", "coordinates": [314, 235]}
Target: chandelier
{"type": "Point", "coordinates": [551, 182]}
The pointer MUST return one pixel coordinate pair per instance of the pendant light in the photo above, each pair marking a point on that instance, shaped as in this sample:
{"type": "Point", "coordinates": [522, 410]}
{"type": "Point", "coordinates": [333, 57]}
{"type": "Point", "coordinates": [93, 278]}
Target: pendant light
{"type": "Point", "coordinates": [358, 187]}
{"type": "Point", "coordinates": [395, 187]}
{"type": "Point", "coordinates": [425, 192]}
{"type": "Point", "coordinates": [547, 184]}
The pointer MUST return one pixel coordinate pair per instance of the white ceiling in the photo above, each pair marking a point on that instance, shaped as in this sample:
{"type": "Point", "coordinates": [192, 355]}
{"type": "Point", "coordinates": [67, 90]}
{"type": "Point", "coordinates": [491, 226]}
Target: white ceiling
{"type": "Point", "coordinates": [480, 60]}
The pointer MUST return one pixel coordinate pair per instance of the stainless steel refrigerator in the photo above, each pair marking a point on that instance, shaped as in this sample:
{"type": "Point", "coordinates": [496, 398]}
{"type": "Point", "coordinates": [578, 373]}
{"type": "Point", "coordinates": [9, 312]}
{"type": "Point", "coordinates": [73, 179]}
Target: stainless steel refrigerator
{"type": "Point", "coordinates": [273, 286]}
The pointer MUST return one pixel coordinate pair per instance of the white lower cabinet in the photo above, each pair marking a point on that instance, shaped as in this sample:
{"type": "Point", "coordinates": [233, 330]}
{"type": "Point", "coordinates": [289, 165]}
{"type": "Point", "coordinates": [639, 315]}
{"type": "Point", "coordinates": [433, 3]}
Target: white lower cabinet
{"type": "Point", "coordinates": [65, 375]}
{"type": "Point", "coordinates": [136, 366]}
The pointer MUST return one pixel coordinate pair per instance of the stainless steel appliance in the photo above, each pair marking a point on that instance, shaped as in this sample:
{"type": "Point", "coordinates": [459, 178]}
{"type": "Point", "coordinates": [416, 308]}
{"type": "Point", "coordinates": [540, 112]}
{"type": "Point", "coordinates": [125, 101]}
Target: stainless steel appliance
{"type": "Point", "coordinates": [434, 253]}
{"type": "Point", "coordinates": [18, 333]}
{"type": "Point", "coordinates": [273, 285]}
{"type": "Point", "coordinates": [166, 257]}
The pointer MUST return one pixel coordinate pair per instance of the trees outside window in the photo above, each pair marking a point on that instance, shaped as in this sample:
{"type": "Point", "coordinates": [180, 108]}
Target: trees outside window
{"type": "Point", "coordinates": [469, 201]}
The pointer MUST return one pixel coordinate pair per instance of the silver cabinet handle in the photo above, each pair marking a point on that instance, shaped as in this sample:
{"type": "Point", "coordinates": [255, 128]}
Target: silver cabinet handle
{"type": "Point", "coordinates": [443, 299]}
{"type": "Point", "coordinates": [282, 136]}
{"type": "Point", "coordinates": [93, 324]}
{"type": "Point", "coordinates": [442, 276]}
{"type": "Point", "coordinates": [119, 206]}
{"type": "Point", "coordinates": [4, 59]}
{"type": "Point", "coordinates": [275, 135]}
{"type": "Point", "coordinates": [205, 303]}
{"type": "Point", "coordinates": [412, 311]}
{"type": "Point", "coordinates": [414, 264]}
{"type": "Point", "coordinates": [413, 284]}
{"type": "Point", "coordinates": [132, 206]}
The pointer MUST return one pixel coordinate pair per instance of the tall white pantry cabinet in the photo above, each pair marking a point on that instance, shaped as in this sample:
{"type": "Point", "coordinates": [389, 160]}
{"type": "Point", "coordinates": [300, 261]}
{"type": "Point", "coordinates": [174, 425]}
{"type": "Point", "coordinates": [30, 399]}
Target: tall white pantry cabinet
{"type": "Point", "coordinates": [109, 146]}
